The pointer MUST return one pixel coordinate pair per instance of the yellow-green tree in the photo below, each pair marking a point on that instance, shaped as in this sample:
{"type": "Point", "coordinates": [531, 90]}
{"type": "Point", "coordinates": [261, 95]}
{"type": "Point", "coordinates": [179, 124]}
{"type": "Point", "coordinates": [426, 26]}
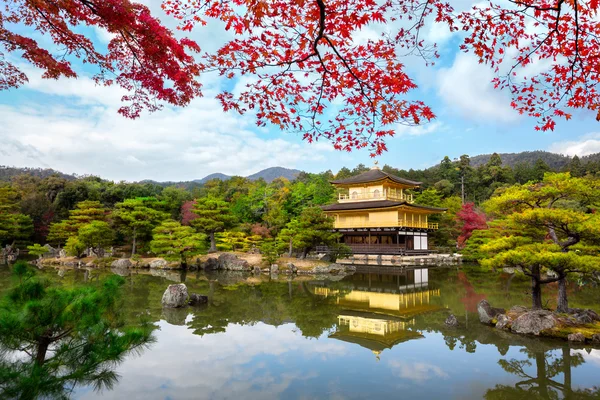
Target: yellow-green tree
{"type": "Point", "coordinates": [550, 226]}
{"type": "Point", "coordinates": [84, 213]}
{"type": "Point", "coordinates": [173, 241]}
{"type": "Point", "coordinates": [14, 226]}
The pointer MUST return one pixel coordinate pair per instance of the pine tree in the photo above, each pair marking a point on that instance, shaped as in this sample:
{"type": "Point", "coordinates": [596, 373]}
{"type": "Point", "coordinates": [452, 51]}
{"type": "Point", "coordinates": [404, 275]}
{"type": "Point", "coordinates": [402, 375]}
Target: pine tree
{"type": "Point", "coordinates": [67, 337]}
{"type": "Point", "coordinates": [214, 216]}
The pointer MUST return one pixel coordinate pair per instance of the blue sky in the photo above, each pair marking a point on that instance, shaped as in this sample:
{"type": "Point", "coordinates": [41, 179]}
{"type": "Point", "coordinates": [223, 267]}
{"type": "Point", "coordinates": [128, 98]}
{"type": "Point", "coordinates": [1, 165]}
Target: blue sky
{"type": "Point", "coordinates": [73, 126]}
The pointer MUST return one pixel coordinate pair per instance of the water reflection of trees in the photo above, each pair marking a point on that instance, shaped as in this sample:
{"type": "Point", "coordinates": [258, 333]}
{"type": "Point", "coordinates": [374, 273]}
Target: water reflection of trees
{"type": "Point", "coordinates": [539, 374]}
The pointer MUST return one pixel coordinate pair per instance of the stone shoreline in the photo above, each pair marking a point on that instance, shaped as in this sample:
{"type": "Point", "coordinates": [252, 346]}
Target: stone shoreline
{"type": "Point", "coordinates": [578, 325]}
{"type": "Point", "coordinates": [224, 262]}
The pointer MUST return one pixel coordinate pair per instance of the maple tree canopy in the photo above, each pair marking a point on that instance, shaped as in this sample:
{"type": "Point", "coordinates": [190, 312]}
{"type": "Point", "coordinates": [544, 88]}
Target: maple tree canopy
{"type": "Point", "coordinates": [310, 68]}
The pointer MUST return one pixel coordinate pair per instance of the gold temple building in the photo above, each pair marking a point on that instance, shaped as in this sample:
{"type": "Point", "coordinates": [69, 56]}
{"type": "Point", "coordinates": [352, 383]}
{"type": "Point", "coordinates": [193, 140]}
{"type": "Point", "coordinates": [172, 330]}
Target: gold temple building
{"type": "Point", "coordinates": [376, 215]}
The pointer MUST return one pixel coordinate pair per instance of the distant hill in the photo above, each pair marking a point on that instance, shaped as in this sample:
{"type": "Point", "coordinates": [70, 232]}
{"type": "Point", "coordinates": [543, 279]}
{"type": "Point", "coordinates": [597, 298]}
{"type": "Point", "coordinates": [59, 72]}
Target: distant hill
{"type": "Point", "coordinates": [7, 173]}
{"type": "Point", "coordinates": [554, 161]}
{"type": "Point", "coordinates": [217, 175]}
{"type": "Point", "coordinates": [269, 175]}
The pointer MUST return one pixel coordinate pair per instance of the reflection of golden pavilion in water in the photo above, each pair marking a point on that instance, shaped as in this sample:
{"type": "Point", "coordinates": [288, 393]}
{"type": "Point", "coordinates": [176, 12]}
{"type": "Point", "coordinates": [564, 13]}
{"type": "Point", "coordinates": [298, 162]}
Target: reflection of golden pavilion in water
{"type": "Point", "coordinates": [378, 319]}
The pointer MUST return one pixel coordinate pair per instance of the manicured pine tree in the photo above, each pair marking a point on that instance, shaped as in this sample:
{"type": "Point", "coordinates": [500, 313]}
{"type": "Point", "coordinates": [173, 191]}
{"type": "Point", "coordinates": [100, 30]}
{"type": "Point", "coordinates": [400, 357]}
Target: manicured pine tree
{"type": "Point", "coordinates": [175, 242]}
{"type": "Point", "coordinates": [214, 215]}
{"type": "Point", "coordinates": [137, 217]}
{"type": "Point", "coordinates": [66, 337]}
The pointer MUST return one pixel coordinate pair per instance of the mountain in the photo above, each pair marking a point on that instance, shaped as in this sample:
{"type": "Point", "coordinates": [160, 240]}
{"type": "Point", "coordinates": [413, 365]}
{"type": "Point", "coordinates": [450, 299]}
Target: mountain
{"type": "Point", "coordinates": [269, 175]}
{"type": "Point", "coordinates": [555, 161]}
{"type": "Point", "coordinates": [7, 173]}
{"type": "Point", "coordinates": [217, 175]}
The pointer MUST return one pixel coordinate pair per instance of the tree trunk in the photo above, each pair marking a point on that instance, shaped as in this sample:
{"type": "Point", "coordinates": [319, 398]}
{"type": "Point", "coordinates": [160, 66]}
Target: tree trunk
{"type": "Point", "coordinates": [291, 249]}
{"type": "Point", "coordinates": [566, 353]}
{"type": "Point", "coordinates": [42, 348]}
{"type": "Point", "coordinates": [134, 242]}
{"type": "Point", "coordinates": [304, 253]}
{"type": "Point", "coordinates": [563, 302]}
{"type": "Point", "coordinates": [536, 289]}
{"type": "Point", "coordinates": [213, 243]}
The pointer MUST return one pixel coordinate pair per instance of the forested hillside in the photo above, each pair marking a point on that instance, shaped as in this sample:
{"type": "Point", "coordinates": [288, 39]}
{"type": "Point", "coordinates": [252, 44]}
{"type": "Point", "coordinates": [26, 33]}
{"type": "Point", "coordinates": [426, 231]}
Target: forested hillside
{"type": "Point", "coordinates": [37, 206]}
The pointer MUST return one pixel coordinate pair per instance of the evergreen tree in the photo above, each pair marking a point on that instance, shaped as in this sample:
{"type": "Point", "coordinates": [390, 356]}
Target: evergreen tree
{"type": "Point", "coordinates": [214, 216]}
{"type": "Point", "coordinates": [575, 168]}
{"type": "Point", "coordinates": [310, 229]}
{"type": "Point", "coordinates": [137, 217]}
{"type": "Point", "coordinates": [67, 337]}
{"type": "Point", "coordinates": [97, 235]}
{"type": "Point", "coordinates": [175, 242]}
{"type": "Point", "coordinates": [549, 226]}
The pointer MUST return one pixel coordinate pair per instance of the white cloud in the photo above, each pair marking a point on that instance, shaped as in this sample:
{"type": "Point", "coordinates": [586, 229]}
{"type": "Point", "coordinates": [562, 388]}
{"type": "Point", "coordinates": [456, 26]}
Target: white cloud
{"type": "Point", "coordinates": [585, 145]}
{"type": "Point", "coordinates": [436, 126]}
{"type": "Point", "coordinates": [467, 89]}
{"type": "Point", "coordinates": [81, 132]}
{"type": "Point", "coordinates": [216, 365]}
{"type": "Point", "coordinates": [416, 371]}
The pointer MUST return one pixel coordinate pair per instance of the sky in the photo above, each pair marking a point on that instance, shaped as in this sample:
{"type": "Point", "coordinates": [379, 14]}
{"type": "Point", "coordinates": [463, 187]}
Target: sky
{"type": "Point", "coordinates": [72, 125]}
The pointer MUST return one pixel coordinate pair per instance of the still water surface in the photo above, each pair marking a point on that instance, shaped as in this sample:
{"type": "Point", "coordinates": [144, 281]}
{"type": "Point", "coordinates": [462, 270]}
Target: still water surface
{"type": "Point", "coordinates": [365, 336]}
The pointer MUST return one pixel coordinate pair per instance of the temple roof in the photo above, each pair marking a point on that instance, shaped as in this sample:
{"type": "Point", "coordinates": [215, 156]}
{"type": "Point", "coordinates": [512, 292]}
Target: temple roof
{"type": "Point", "coordinates": [373, 175]}
{"type": "Point", "coordinates": [359, 205]}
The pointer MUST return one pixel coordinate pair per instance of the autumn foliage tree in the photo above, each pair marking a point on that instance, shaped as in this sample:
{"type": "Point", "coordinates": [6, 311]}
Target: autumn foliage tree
{"type": "Point", "coordinates": [469, 219]}
{"type": "Point", "coordinates": [309, 64]}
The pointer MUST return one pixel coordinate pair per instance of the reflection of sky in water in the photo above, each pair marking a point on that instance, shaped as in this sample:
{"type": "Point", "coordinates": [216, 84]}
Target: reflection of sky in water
{"type": "Point", "coordinates": [262, 362]}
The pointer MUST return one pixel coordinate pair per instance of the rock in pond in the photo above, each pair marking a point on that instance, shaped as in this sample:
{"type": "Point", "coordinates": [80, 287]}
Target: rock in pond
{"type": "Point", "coordinates": [576, 337]}
{"type": "Point", "coordinates": [533, 322]}
{"type": "Point", "coordinates": [231, 262]}
{"type": "Point", "coordinates": [121, 263]}
{"type": "Point", "coordinates": [486, 312]}
{"type": "Point", "coordinates": [175, 296]}
{"type": "Point", "coordinates": [292, 269]}
{"type": "Point", "coordinates": [197, 299]}
{"type": "Point", "coordinates": [274, 268]}
{"type": "Point", "coordinates": [451, 320]}
{"type": "Point", "coordinates": [333, 269]}
{"type": "Point", "coordinates": [503, 321]}
{"type": "Point", "coordinates": [158, 263]}
{"type": "Point", "coordinates": [210, 264]}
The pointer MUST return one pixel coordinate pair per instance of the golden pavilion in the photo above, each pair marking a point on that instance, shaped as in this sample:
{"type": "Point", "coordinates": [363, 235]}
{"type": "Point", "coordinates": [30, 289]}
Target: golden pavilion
{"type": "Point", "coordinates": [376, 214]}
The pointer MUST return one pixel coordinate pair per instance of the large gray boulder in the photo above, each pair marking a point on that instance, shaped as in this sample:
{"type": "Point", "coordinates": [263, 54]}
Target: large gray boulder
{"type": "Point", "coordinates": [210, 264]}
{"type": "Point", "coordinates": [175, 296]}
{"type": "Point", "coordinates": [487, 313]}
{"type": "Point", "coordinates": [534, 322]}
{"type": "Point", "coordinates": [231, 262]}
{"type": "Point", "coordinates": [158, 263]}
{"type": "Point", "coordinates": [121, 263]}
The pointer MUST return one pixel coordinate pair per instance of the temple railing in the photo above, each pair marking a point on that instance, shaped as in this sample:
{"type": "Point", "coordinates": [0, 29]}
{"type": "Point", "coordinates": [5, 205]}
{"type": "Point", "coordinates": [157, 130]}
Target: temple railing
{"type": "Point", "coordinates": [385, 195]}
{"type": "Point", "coordinates": [386, 224]}
{"type": "Point", "coordinates": [394, 249]}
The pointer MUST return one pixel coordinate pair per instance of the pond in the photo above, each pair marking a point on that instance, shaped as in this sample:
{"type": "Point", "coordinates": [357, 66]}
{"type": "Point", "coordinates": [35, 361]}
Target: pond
{"type": "Point", "coordinates": [370, 335]}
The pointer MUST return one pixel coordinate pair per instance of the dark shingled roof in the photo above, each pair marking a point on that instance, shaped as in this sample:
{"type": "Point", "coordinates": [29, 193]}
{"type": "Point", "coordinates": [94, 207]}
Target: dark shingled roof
{"type": "Point", "coordinates": [359, 205]}
{"type": "Point", "coordinates": [373, 175]}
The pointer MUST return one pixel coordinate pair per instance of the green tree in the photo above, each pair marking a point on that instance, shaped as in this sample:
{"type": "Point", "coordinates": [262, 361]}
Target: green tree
{"type": "Point", "coordinates": [549, 226]}
{"type": "Point", "coordinates": [312, 228]}
{"type": "Point", "coordinates": [214, 216]}
{"type": "Point", "coordinates": [37, 250]}
{"type": "Point", "coordinates": [137, 217]}
{"type": "Point", "coordinates": [74, 247]}
{"type": "Point", "coordinates": [96, 235]}
{"type": "Point", "coordinates": [575, 168]}
{"type": "Point", "coordinates": [68, 337]}
{"type": "Point", "coordinates": [269, 252]}
{"type": "Point", "coordinates": [173, 241]}
{"type": "Point", "coordinates": [84, 213]}
{"type": "Point", "coordinates": [14, 226]}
